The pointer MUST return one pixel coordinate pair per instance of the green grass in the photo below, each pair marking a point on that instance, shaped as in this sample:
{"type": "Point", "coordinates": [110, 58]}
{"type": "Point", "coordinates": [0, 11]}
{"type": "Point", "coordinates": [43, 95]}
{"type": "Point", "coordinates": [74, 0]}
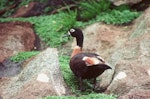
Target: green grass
{"type": "Point", "coordinates": [67, 73]}
{"type": "Point", "coordinates": [21, 56]}
{"type": "Point", "coordinates": [91, 8]}
{"type": "Point", "coordinates": [117, 17]}
{"type": "Point", "coordinates": [89, 96]}
{"type": "Point", "coordinates": [3, 5]}
{"type": "Point", "coordinates": [101, 11]}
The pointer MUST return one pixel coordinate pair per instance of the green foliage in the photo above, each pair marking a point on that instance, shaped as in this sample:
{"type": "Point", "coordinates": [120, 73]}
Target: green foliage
{"type": "Point", "coordinates": [122, 7]}
{"type": "Point", "coordinates": [56, 26]}
{"type": "Point", "coordinates": [4, 4]}
{"type": "Point", "coordinates": [91, 8]}
{"type": "Point", "coordinates": [23, 56]}
{"type": "Point", "coordinates": [117, 17]}
{"type": "Point", "coordinates": [48, 9]}
{"type": "Point", "coordinates": [8, 13]}
{"type": "Point", "coordinates": [67, 73]}
{"type": "Point", "coordinates": [89, 96]}
{"type": "Point", "coordinates": [51, 28]}
{"type": "Point", "coordinates": [101, 10]}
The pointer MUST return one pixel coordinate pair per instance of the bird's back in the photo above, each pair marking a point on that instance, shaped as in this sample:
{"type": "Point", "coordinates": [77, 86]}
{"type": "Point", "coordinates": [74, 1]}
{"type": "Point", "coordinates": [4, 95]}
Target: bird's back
{"type": "Point", "coordinates": [80, 68]}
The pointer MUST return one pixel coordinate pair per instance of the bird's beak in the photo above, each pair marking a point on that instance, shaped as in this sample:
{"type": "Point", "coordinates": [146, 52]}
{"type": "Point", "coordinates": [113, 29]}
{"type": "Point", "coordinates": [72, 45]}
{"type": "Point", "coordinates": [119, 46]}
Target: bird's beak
{"type": "Point", "coordinates": [67, 35]}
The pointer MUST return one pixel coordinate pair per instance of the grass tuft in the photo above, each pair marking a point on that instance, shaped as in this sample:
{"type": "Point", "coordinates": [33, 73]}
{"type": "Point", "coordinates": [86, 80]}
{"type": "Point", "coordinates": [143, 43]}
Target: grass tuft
{"type": "Point", "coordinates": [21, 56]}
{"type": "Point", "coordinates": [89, 96]}
{"type": "Point", "coordinates": [67, 73]}
{"type": "Point", "coordinates": [117, 17]}
{"type": "Point", "coordinates": [91, 8]}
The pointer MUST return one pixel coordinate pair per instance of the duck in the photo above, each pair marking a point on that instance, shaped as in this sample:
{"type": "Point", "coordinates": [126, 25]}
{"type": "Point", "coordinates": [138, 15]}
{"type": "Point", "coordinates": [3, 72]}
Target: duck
{"type": "Point", "coordinates": [85, 65]}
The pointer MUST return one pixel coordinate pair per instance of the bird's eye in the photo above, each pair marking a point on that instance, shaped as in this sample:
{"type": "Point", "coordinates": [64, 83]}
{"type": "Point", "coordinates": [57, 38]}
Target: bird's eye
{"type": "Point", "coordinates": [72, 30]}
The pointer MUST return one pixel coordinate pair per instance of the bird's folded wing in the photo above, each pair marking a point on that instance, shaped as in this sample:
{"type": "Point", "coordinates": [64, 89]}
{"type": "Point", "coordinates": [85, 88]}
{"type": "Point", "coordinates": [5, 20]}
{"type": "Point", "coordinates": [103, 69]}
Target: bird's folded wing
{"type": "Point", "coordinates": [90, 61]}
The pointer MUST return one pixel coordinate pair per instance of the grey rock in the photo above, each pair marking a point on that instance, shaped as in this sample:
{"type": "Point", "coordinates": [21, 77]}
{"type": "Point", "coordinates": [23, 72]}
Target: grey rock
{"type": "Point", "coordinates": [40, 77]}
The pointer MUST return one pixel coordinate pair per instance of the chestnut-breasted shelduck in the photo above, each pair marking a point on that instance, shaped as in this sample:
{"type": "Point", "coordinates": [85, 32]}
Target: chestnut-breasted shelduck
{"type": "Point", "coordinates": [85, 65]}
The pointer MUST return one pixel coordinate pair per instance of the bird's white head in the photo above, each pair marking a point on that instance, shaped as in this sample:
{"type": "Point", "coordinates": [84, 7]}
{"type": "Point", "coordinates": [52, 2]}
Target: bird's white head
{"type": "Point", "coordinates": [75, 32]}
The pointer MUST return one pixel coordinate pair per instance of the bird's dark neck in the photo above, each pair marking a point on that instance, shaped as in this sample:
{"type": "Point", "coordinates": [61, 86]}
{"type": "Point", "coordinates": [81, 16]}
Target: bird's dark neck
{"type": "Point", "coordinates": [79, 40]}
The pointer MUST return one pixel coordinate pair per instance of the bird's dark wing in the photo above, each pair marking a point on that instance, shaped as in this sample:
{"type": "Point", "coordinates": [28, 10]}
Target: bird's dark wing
{"type": "Point", "coordinates": [85, 64]}
{"type": "Point", "coordinates": [77, 65]}
{"type": "Point", "coordinates": [82, 60]}
{"type": "Point", "coordinates": [90, 59]}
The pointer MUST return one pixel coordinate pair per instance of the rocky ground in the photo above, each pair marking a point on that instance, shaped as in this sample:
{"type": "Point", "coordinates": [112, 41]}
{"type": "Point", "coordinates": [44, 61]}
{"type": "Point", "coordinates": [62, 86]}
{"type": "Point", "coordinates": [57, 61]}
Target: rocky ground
{"type": "Point", "coordinates": [102, 37]}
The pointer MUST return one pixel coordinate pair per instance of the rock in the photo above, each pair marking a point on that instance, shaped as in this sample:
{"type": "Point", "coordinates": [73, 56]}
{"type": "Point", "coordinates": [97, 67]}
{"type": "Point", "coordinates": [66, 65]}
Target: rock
{"type": "Point", "coordinates": [120, 2]}
{"type": "Point", "coordinates": [141, 6]}
{"type": "Point", "coordinates": [40, 77]}
{"type": "Point", "coordinates": [132, 71]}
{"type": "Point", "coordinates": [32, 9]}
{"type": "Point", "coordinates": [127, 50]}
{"type": "Point", "coordinates": [9, 68]}
{"type": "Point", "coordinates": [15, 37]}
{"type": "Point", "coordinates": [104, 40]}
{"type": "Point", "coordinates": [136, 94]}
